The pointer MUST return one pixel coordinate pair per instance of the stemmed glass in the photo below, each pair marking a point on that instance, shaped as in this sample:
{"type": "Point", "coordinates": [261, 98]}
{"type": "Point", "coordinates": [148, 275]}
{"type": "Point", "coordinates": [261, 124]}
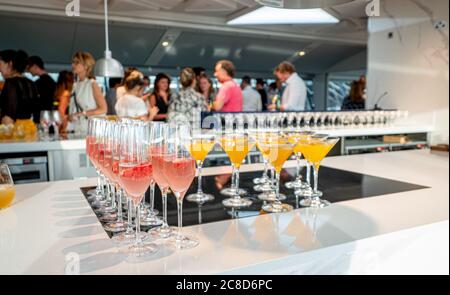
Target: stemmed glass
{"type": "Point", "coordinates": [135, 173]}
{"type": "Point", "coordinates": [179, 170]}
{"type": "Point", "coordinates": [315, 150]}
{"type": "Point", "coordinates": [279, 151]}
{"type": "Point", "coordinates": [7, 189]}
{"type": "Point", "coordinates": [236, 145]}
{"type": "Point", "coordinates": [158, 151]}
{"type": "Point", "coordinates": [256, 132]}
{"type": "Point", "coordinates": [200, 143]}
{"type": "Point", "coordinates": [46, 121]}
{"type": "Point", "coordinates": [294, 138]}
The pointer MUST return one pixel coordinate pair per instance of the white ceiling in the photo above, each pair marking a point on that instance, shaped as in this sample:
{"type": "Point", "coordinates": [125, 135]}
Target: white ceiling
{"type": "Point", "coordinates": [197, 27]}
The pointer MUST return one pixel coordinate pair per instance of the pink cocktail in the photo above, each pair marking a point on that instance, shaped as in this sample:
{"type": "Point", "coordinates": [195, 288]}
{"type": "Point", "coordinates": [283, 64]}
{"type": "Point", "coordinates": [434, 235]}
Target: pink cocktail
{"type": "Point", "coordinates": [135, 179]}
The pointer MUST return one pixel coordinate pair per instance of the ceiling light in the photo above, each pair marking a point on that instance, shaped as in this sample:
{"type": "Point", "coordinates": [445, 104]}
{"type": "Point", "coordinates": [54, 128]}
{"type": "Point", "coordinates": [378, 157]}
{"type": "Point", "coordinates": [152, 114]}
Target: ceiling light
{"type": "Point", "coordinates": [165, 43]}
{"type": "Point", "coordinates": [301, 53]}
{"type": "Point", "coordinates": [271, 16]}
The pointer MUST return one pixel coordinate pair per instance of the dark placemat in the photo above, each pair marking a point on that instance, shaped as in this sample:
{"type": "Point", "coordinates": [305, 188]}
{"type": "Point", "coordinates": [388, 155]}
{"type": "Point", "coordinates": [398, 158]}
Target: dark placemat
{"type": "Point", "coordinates": [336, 185]}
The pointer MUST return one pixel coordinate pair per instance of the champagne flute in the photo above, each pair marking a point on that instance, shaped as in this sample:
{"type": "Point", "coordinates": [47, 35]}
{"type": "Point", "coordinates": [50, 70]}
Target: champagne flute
{"type": "Point", "coordinates": [179, 170]}
{"type": "Point", "coordinates": [135, 173]}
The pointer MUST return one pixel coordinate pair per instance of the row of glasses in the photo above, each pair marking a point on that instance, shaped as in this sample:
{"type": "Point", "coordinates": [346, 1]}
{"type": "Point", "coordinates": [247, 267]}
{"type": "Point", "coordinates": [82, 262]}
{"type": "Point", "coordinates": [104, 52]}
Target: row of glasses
{"type": "Point", "coordinates": [313, 120]}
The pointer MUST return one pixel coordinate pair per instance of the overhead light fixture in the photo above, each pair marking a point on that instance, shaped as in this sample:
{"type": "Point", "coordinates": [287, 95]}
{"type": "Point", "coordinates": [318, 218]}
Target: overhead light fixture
{"type": "Point", "coordinates": [165, 43]}
{"type": "Point", "coordinates": [108, 66]}
{"type": "Point", "coordinates": [279, 16]}
{"type": "Point", "coordinates": [301, 53]}
{"type": "Point", "coordinates": [301, 4]}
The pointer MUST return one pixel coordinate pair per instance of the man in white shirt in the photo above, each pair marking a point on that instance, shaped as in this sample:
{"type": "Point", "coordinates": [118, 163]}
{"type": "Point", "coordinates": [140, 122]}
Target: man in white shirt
{"type": "Point", "coordinates": [252, 98]}
{"type": "Point", "coordinates": [294, 95]}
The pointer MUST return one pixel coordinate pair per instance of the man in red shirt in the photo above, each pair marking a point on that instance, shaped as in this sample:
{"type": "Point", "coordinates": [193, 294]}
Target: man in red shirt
{"type": "Point", "coordinates": [229, 98]}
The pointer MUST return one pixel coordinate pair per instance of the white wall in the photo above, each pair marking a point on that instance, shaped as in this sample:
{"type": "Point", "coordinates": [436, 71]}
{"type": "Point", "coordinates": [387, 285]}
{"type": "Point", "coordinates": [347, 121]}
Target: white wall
{"type": "Point", "coordinates": [413, 66]}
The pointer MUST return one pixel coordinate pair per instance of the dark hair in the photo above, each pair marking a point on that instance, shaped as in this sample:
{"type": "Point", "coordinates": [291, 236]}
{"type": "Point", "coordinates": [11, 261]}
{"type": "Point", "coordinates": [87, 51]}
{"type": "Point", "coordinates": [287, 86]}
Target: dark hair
{"type": "Point", "coordinates": [65, 82]}
{"type": "Point", "coordinates": [18, 58]}
{"type": "Point", "coordinates": [273, 86]}
{"type": "Point", "coordinates": [113, 82]}
{"type": "Point", "coordinates": [36, 60]}
{"type": "Point", "coordinates": [127, 73]}
{"type": "Point", "coordinates": [357, 91]}
{"type": "Point", "coordinates": [228, 66]}
{"type": "Point", "coordinates": [211, 88]}
{"type": "Point", "coordinates": [260, 81]}
{"type": "Point", "coordinates": [198, 70]}
{"type": "Point", "coordinates": [247, 79]}
{"type": "Point", "coordinates": [146, 78]}
{"type": "Point", "coordinates": [158, 78]}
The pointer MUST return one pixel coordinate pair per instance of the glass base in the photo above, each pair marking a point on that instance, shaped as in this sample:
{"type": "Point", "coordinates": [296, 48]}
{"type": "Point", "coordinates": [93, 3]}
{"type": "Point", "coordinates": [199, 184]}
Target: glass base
{"type": "Point", "coordinates": [92, 192]}
{"type": "Point", "coordinates": [145, 209]}
{"type": "Point", "coordinates": [108, 218]}
{"type": "Point", "coordinates": [161, 233]}
{"type": "Point", "coordinates": [271, 197]}
{"type": "Point", "coordinates": [151, 220]}
{"type": "Point", "coordinates": [115, 227]}
{"type": "Point", "coordinates": [236, 202]}
{"type": "Point", "coordinates": [105, 210]}
{"type": "Point", "coordinates": [262, 188]}
{"type": "Point", "coordinates": [310, 203]}
{"type": "Point", "coordinates": [128, 237]}
{"type": "Point", "coordinates": [305, 191]}
{"type": "Point", "coordinates": [277, 208]}
{"type": "Point", "coordinates": [232, 192]}
{"type": "Point", "coordinates": [141, 249]}
{"type": "Point", "coordinates": [261, 180]}
{"type": "Point", "coordinates": [296, 184]}
{"type": "Point", "coordinates": [184, 242]}
{"type": "Point", "coordinates": [200, 198]}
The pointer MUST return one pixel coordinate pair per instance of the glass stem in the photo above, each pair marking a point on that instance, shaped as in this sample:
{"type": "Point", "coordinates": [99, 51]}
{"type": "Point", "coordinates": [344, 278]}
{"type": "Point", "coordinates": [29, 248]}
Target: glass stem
{"type": "Point", "coordinates": [233, 176]}
{"type": "Point", "coordinates": [130, 217]}
{"type": "Point", "coordinates": [277, 189]}
{"type": "Point", "coordinates": [316, 182]}
{"type": "Point", "coordinates": [308, 173]}
{"type": "Point", "coordinates": [119, 204]}
{"type": "Point", "coordinates": [98, 189]}
{"type": "Point", "coordinates": [138, 224]}
{"type": "Point", "coordinates": [266, 168]}
{"type": "Point", "coordinates": [180, 217]}
{"type": "Point", "coordinates": [199, 175]}
{"type": "Point", "coordinates": [297, 157]}
{"type": "Point", "coordinates": [236, 178]}
{"type": "Point", "coordinates": [152, 197]}
{"type": "Point", "coordinates": [164, 205]}
{"type": "Point", "coordinates": [112, 190]}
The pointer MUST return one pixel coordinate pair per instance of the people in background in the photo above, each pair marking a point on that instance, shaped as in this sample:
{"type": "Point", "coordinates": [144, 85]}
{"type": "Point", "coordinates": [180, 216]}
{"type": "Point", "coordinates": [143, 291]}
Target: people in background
{"type": "Point", "coordinates": [111, 94]}
{"type": "Point", "coordinates": [87, 97]}
{"type": "Point", "coordinates": [206, 89]}
{"type": "Point", "coordinates": [132, 104]}
{"type": "Point", "coordinates": [120, 91]}
{"type": "Point", "coordinates": [355, 100]}
{"type": "Point", "coordinates": [186, 105]}
{"type": "Point", "coordinates": [19, 96]}
{"type": "Point", "coordinates": [252, 99]}
{"type": "Point", "coordinates": [229, 98]}
{"type": "Point", "coordinates": [261, 88]}
{"type": "Point", "coordinates": [63, 91]}
{"type": "Point", "coordinates": [295, 94]}
{"type": "Point", "coordinates": [160, 97]}
{"type": "Point", "coordinates": [45, 84]}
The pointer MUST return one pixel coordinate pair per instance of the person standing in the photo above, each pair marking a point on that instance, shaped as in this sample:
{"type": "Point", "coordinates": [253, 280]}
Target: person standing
{"type": "Point", "coordinates": [252, 99]}
{"type": "Point", "coordinates": [45, 85]}
{"type": "Point", "coordinates": [63, 91]}
{"type": "Point", "coordinates": [206, 89]}
{"type": "Point", "coordinates": [295, 94]}
{"type": "Point", "coordinates": [261, 88]}
{"type": "Point", "coordinates": [87, 97]}
{"type": "Point", "coordinates": [160, 97]}
{"type": "Point", "coordinates": [19, 96]}
{"type": "Point", "coordinates": [229, 98]}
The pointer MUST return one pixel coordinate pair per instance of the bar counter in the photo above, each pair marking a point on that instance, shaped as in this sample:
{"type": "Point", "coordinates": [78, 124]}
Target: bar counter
{"type": "Point", "coordinates": [51, 226]}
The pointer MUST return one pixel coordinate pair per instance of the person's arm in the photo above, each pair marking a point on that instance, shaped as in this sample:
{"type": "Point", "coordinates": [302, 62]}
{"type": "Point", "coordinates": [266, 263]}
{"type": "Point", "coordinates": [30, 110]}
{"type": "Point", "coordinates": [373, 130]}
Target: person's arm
{"type": "Point", "coordinates": [8, 103]}
{"type": "Point", "coordinates": [220, 100]}
{"type": "Point", "coordinates": [64, 103]}
{"type": "Point", "coordinates": [100, 101]}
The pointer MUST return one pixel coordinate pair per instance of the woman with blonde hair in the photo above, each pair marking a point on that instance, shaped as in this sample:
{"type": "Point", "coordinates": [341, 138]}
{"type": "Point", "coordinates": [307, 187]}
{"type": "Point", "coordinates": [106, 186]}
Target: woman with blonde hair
{"type": "Point", "coordinates": [186, 104]}
{"type": "Point", "coordinates": [87, 97]}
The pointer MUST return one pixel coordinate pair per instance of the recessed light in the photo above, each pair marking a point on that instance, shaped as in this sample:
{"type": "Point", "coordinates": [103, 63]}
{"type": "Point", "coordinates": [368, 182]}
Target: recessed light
{"type": "Point", "coordinates": [165, 43]}
{"type": "Point", "coordinates": [301, 53]}
{"type": "Point", "coordinates": [272, 16]}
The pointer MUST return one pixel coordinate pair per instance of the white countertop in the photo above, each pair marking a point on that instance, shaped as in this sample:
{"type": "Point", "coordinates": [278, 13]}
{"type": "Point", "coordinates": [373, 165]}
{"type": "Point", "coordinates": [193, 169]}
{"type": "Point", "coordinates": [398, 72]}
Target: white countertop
{"type": "Point", "coordinates": [79, 144]}
{"type": "Point", "coordinates": [399, 233]}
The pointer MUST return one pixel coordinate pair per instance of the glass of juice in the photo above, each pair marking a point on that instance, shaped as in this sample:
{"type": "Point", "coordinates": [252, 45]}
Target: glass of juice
{"type": "Point", "coordinates": [7, 190]}
{"type": "Point", "coordinates": [279, 150]}
{"type": "Point", "coordinates": [199, 145]}
{"type": "Point", "coordinates": [315, 149]}
{"type": "Point", "coordinates": [237, 146]}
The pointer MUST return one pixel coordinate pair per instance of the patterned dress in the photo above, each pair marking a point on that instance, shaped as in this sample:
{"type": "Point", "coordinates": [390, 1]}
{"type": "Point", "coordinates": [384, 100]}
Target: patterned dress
{"type": "Point", "coordinates": [185, 107]}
